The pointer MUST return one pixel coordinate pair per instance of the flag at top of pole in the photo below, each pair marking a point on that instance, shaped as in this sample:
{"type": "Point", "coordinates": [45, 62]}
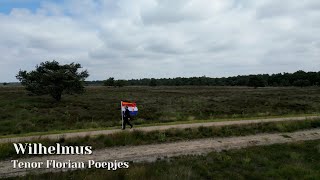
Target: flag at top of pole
{"type": "Point", "coordinates": [132, 107]}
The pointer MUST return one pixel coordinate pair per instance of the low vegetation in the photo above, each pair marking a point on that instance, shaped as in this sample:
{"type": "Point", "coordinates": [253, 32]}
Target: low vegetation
{"type": "Point", "coordinates": [140, 138]}
{"type": "Point", "coordinates": [99, 107]}
{"type": "Point", "coordinates": [286, 161]}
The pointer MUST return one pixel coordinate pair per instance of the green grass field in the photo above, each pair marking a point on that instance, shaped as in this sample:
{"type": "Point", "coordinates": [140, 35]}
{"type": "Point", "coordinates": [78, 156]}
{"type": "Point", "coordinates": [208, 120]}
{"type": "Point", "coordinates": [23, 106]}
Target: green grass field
{"type": "Point", "coordinates": [99, 107]}
{"type": "Point", "coordinates": [287, 161]}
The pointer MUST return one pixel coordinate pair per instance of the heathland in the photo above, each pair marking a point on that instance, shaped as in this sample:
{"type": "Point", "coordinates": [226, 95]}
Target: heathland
{"type": "Point", "coordinates": [99, 106]}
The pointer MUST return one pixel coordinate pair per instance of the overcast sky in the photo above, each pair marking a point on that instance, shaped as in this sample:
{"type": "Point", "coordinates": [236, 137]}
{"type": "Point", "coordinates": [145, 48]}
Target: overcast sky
{"type": "Point", "coordinates": [129, 39]}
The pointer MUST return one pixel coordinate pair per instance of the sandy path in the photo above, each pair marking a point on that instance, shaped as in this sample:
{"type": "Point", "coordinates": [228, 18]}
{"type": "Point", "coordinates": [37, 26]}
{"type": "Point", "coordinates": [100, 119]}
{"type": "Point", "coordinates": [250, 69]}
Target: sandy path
{"type": "Point", "coordinates": [150, 128]}
{"type": "Point", "coordinates": [155, 151]}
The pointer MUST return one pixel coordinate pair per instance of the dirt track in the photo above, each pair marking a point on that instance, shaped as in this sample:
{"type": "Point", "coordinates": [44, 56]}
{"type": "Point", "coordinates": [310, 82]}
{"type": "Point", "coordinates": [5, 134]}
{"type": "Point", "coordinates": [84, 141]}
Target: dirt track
{"type": "Point", "coordinates": [150, 128]}
{"type": "Point", "coordinates": [155, 151]}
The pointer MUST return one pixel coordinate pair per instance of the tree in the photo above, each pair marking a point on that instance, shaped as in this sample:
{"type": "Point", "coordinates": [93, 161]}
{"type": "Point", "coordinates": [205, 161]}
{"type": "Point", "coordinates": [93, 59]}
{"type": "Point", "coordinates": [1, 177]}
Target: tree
{"type": "Point", "coordinates": [54, 79]}
{"type": "Point", "coordinates": [153, 82]}
{"type": "Point", "coordinates": [301, 83]}
{"type": "Point", "coordinates": [256, 81]}
{"type": "Point", "coordinates": [120, 83]}
{"type": "Point", "coordinates": [109, 82]}
{"type": "Point", "coordinates": [5, 83]}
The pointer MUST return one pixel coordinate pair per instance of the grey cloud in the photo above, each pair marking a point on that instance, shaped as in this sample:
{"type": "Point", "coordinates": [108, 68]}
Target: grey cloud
{"type": "Point", "coordinates": [153, 38]}
{"type": "Point", "coordinates": [272, 9]}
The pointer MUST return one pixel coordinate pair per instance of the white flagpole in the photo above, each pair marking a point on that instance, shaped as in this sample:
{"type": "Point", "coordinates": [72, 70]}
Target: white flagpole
{"type": "Point", "coordinates": [121, 114]}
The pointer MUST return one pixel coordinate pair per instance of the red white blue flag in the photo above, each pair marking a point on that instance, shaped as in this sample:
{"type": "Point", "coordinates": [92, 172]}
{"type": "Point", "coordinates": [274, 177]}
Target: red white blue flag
{"type": "Point", "coordinates": [132, 107]}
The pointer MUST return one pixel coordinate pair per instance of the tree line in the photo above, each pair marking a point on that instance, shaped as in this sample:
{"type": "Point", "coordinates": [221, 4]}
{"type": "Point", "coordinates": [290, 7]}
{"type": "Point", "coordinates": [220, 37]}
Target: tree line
{"type": "Point", "coordinates": [54, 79]}
{"type": "Point", "coordinates": [299, 79]}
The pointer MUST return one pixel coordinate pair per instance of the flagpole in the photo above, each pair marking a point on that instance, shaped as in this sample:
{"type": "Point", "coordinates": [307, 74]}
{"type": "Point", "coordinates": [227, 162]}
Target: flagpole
{"type": "Point", "coordinates": [121, 114]}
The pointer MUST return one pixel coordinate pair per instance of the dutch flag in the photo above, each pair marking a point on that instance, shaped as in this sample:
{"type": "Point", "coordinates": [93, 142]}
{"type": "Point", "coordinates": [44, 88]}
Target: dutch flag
{"type": "Point", "coordinates": [131, 106]}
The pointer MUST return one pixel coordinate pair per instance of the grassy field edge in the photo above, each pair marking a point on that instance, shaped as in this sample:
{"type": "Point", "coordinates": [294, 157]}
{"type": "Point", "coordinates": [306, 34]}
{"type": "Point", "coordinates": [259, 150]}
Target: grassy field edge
{"type": "Point", "coordinates": [133, 138]}
{"type": "Point", "coordinates": [157, 124]}
{"type": "Point", "coordinates": [299, 160]}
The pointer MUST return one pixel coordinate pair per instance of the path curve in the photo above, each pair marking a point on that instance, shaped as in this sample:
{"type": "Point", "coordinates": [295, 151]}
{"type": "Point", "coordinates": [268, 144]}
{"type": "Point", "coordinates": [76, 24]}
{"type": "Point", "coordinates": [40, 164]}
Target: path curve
{"type": "Point", "coordinates": [156, 151]}
{"type": "Point", "coordinates": [149, 128]}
